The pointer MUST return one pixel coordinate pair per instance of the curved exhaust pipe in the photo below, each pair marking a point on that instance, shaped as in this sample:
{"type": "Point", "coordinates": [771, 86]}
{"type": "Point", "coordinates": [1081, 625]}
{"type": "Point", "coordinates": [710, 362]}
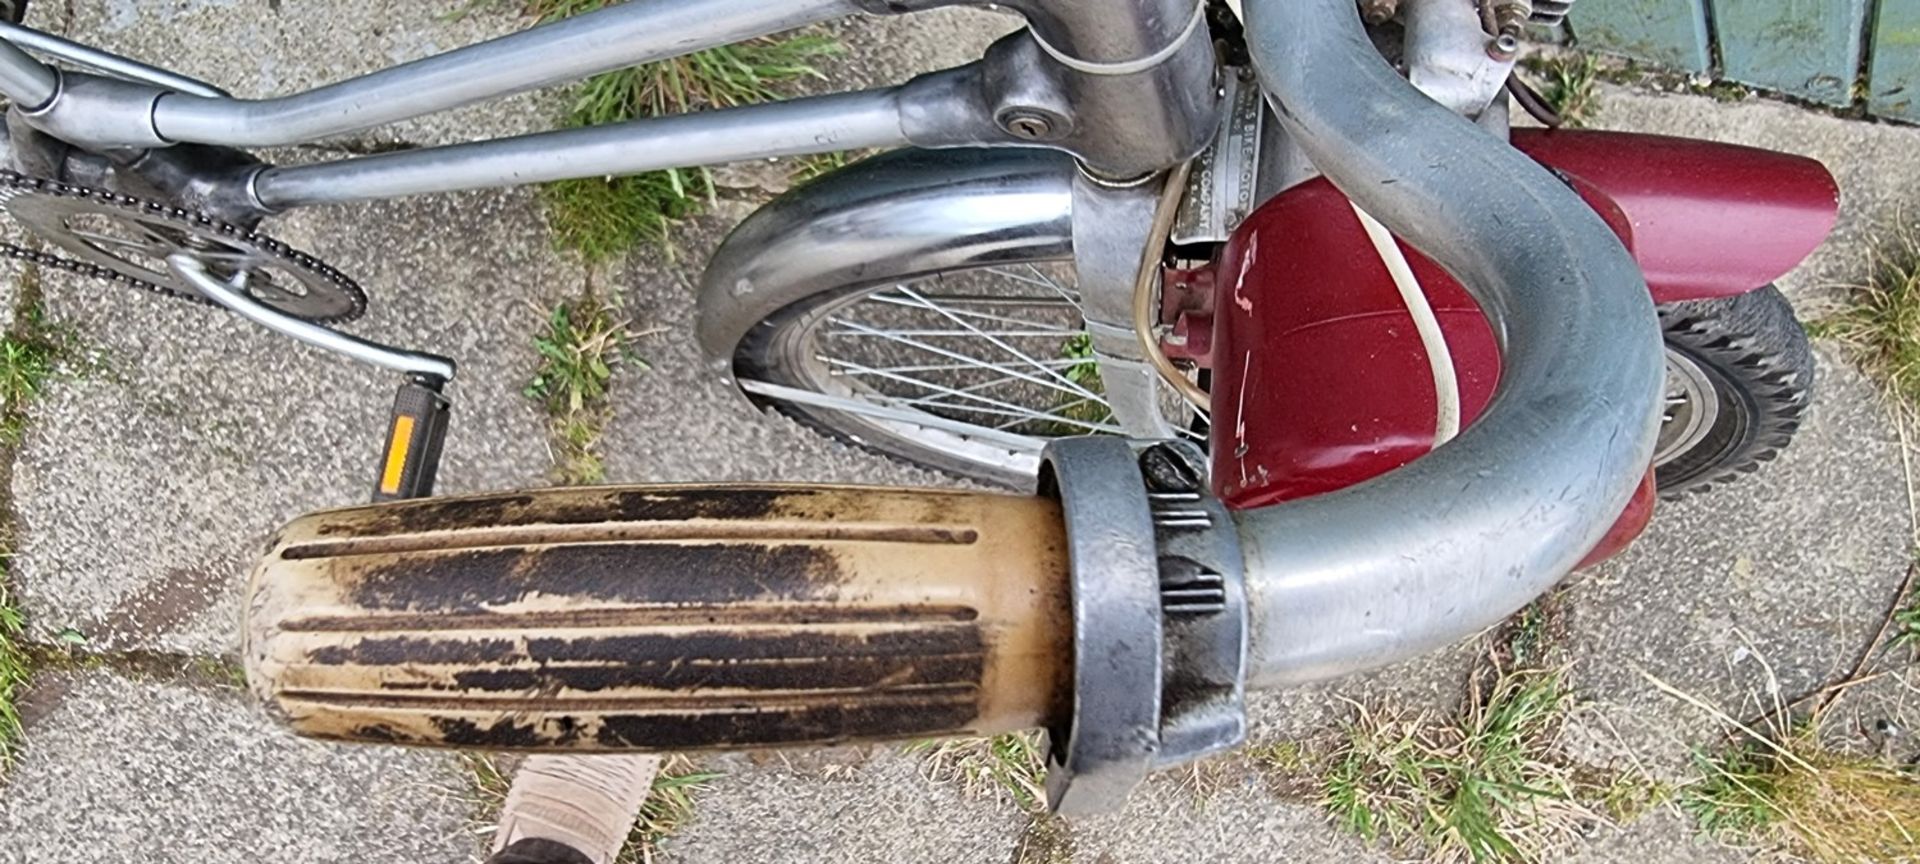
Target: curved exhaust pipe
{"type": "Point", "coordinates": [1458, 540]}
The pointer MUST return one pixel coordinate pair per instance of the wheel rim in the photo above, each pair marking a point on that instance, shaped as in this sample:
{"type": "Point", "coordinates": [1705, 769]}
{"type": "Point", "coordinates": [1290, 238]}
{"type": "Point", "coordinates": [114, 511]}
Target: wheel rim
{"type": "Point", "coordinates": [981, 365]}
{"type": "Point", "coordinates": [1692, 407]}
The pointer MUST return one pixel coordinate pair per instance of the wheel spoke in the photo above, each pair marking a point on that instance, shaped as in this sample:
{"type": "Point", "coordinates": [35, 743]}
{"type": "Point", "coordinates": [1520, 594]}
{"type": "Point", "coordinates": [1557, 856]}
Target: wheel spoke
{"type": "Point", "coordinates": [892, 300]}
{"type": "Point", "coordinates": [999, 334]}
{"type": "Point", "coordinates": [929, 367]}
{"type": "Point", "coordinates": [1072, 386]}
{"type": "Point", "coordinates": [1017, 443]}
{"type": "Point", "coordinates": [1003, 407]}
{"type": "Point", "coordinates": [1072, 390]}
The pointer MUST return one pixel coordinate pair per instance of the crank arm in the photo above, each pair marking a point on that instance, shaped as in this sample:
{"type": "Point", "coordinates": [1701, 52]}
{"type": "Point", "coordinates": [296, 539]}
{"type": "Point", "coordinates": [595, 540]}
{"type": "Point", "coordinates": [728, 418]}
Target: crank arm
{"type": "Point", "coordinates": [417, 425]}
{"type": "Point", "coordinates": [236, 300]}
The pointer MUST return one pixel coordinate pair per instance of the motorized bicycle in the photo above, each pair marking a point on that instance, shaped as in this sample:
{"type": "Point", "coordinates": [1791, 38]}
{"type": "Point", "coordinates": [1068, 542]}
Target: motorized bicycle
{"type": "Point", "coordinates": [1302, 360]}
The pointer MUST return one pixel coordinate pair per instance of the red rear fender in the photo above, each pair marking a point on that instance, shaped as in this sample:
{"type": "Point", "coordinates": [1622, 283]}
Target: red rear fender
{"type": "Point", "coordinates": [1319, 379]}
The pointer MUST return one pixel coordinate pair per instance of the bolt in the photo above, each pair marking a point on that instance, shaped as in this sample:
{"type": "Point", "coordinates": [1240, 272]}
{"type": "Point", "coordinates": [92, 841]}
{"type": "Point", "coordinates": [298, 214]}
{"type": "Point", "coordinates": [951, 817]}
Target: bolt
{"type": "Point", "coordinates": [1504, 47]}
{"type": "Point", "coordinates": [1030, 125]}
{"type": "Point", "coordinates": [1378, 11]}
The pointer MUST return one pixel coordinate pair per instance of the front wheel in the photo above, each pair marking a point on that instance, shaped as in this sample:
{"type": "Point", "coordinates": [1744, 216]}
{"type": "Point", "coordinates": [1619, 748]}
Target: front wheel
{"type": "Point", "coordinates": [1739, 377]}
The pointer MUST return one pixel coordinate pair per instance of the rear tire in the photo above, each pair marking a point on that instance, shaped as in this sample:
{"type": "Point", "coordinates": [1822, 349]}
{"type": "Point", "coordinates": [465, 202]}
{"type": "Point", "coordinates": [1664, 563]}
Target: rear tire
{"type": "Point", "coordinates": [1739, 377]}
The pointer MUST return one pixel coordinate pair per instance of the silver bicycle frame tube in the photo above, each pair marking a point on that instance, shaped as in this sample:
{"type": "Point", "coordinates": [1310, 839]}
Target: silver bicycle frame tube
{"type": "Point", "coordinates": [612, 38]}
{"type": "Point", "coordinates": [843, 121]}
{"type": "Point", "coordinates": [1123, 116]}
{"type": "Point", "coordinates": [105, 61]}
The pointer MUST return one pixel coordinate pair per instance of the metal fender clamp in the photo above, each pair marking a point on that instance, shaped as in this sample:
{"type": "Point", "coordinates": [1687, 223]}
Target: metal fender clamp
{"type": "Point", "coordinates": [1159, 617]}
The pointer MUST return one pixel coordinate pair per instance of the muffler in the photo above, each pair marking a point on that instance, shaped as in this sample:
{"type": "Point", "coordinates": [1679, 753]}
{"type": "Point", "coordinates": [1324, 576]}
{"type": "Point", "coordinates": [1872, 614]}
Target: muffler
{"type": "Point", "coordinates": [1107, 611]}
{"type": "Point", "coordinates": [660, 619]}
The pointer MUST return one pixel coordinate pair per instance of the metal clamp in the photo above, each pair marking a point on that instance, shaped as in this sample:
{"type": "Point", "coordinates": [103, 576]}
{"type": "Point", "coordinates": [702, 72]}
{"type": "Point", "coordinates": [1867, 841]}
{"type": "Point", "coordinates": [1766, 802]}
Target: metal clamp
{"type": "Point", "coordinates": [1159, 617]}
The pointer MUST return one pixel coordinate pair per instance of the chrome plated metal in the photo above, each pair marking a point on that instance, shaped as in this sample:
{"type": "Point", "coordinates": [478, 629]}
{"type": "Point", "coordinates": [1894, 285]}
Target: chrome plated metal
{"type": "Point", "coordinates": [1224, 185]}
{"type": "Point", "coordinates": [235, 298]}
{"type": "Point", "coordinates": [621, 35]}
{"type": "Point", "coordinates": [1114, 34]}
{"type": "Point", "coordinates": [1114, 736]}
{"type": "Point", "coordinates": [883, 220]}
{"type": "Point", "coordinates": [844, 121]}
{"type": "Point", "coordinates": [1447, 57]}
{"type": "Point", "coordinates": [104, 62]}
{"type": "Point", "coordinates": [1110, 228]}
{"type": "Point", "coordinates": [28, 83]}
{"type": "Point", "coordinates": [1459, 539]}
{"type": "Point", "coordinates": [115, 111]}
{"type": "Point", "coordinates": [1691, 407]}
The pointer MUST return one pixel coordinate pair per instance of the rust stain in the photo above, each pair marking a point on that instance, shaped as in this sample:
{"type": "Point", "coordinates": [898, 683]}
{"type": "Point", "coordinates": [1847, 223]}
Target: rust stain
{"type": "Point", "coordinates": [637, 616]}
{"type": "Point", "coordinates": [821, 723]}
{"type": "Point", "coordinates": [428, 515]}
{"type": "Point", "coordinates": [470, 581]}
{"type": "Point", "coordinates": [799, 673]}
{"type": "Point", "coordinates": [520, 510]}
{"type": "Point", "coordinates": [598, 532]}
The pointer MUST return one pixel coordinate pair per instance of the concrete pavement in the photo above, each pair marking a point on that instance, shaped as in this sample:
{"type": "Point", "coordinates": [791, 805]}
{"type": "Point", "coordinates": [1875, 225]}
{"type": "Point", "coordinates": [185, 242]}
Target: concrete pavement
{"type": "Point", "coordinates": [144, 489]}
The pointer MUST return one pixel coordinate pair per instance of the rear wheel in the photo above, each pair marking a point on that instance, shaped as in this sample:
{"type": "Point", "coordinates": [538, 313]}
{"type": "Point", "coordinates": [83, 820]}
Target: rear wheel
{"type": "Point", "coordinates": [1739, 377]}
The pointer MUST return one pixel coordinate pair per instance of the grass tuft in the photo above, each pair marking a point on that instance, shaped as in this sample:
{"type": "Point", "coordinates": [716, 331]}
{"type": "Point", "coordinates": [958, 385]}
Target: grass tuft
{"type": "Point", "coordinates": [1571, 87]}
{"type": "Point", "coordinates": [1488, 786]}
{"type": "Point", "coordinates": [1904, 627]}
{"type": "Point", "coordinates": [15, 668]}
{"type": "Point", "coordinates": [668, 807]}
{"type": "Point", "coordinates": [29, 358]}
{"type": "Point", "coordinates": [1791, 791]}
{"type": "Point", "coordinates": [603, 218]}
{"type": "Point", "coordinates": [1013, 765]}
{"type": "Point", "coordinates": [1881, 324]}
{"type": "Point", "coordinates": [582, 343]}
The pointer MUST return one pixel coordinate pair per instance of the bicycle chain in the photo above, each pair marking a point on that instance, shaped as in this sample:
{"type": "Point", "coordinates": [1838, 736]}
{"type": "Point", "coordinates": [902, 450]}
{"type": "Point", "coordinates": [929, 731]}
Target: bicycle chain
{"type": "Point", "coordinates": [13, 183]}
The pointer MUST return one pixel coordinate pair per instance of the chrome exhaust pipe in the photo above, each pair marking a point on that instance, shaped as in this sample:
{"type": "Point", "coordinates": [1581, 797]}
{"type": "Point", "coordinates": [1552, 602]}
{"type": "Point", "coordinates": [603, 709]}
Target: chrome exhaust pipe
{"type": "Point", "coordinates": [1456, 541]}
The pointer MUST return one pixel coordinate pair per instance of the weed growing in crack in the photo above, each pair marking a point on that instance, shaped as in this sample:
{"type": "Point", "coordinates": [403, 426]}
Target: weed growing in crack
{"type": "Point", "coordinates": [1881, 324]}
{"type": "Point", "coordinates": [1787, 789]}
{"type": "Point", "coordinates": [1490, 785]}
{"type": "Point", "coordinates": [580, 344]}
{"type": "Point", "coordinates": [601, 218]}
{"type": "Point", "coordinates": [1571, 87]}
{"type": "Point", "coordinates": [1013, 765]}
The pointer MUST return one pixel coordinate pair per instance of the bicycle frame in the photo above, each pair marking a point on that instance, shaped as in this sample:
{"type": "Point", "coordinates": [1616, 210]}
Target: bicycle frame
{"type": "Point", "coordinates": [1123, 85]}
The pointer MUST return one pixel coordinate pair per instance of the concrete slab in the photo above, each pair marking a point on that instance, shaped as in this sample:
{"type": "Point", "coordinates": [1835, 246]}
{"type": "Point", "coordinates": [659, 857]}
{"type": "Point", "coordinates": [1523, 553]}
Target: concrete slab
{"type": "Point", "coordinates": [144, 490]}
{"type": "Point", "coordinates": [841, 806]}
{"type": "Point", "coordinates": [141, 770]}
{"type": "Point", "coordinates": [1782, 577]}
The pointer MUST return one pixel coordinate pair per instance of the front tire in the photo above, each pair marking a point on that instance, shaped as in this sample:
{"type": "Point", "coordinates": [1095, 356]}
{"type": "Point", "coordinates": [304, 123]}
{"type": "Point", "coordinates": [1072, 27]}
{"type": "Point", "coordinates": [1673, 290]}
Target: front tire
{"type": "Point", "coordinates": [1739, 377]}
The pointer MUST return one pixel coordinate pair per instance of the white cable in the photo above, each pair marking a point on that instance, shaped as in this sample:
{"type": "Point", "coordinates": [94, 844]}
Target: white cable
{"type": "Point", "coordinates": [1446, 387]}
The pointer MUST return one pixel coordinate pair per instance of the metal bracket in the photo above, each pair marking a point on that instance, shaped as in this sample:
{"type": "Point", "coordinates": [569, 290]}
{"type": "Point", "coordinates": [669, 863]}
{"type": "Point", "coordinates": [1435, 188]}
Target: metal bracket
{"type": "Point", "coordinates": [1159, 617]}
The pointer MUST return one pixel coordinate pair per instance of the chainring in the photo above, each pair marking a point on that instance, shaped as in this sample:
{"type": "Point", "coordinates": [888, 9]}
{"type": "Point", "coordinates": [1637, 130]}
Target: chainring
{"type": "Point", "coordinates": [127, 240]}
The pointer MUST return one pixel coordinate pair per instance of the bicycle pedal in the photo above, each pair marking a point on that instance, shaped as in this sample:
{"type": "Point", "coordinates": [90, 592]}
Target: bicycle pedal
{"type": "Point", "coordinates": [415, 432]}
